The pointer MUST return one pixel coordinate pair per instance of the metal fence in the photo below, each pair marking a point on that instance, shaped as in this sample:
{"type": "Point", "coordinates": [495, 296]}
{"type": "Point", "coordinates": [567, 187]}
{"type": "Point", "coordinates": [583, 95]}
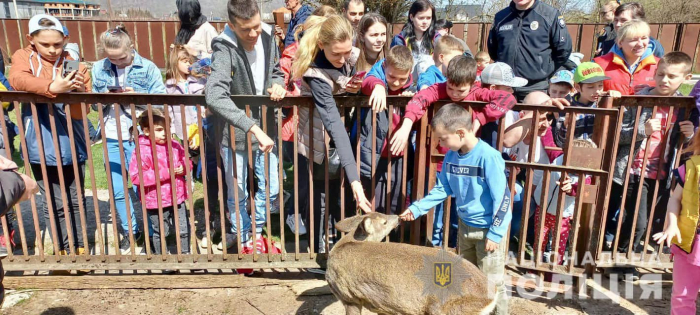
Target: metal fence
{"type": "Point", "coordinates": [101, 249]}
{"type": "Point", "coordinates": [152, 38]}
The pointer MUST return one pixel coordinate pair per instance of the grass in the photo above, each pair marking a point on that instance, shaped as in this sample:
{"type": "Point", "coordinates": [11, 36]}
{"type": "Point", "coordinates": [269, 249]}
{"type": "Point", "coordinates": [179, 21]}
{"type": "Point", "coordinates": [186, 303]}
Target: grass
{"type": "Point", "coordinates": [686, 88]}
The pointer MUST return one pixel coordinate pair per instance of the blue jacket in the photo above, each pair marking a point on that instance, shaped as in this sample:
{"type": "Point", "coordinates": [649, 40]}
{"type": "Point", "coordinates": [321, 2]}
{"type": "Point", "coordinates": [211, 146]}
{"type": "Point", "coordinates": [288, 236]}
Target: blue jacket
{"type": "Point", "coordinates": [482, 201]}
{"type": "Point", "coordinates": [431, 76]}
{"type": "Point", "coordinates": [4, 82]}
{"type": "Point", "coordinates": [298, 19]}
{"type": "Point", "coordinates": [534, 42]}
{"type": "Point", "coordinates": [382, 132]}
{"type": "Point", "coordinates": [143, 75]}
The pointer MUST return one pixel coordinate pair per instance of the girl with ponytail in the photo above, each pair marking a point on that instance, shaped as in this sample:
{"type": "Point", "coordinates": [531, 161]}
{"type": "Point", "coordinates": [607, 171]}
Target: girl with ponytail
{"type": "Point", "coordinates": [325, 63]}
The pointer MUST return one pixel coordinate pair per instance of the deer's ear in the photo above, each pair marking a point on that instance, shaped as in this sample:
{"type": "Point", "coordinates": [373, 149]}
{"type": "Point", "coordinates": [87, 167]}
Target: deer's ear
{"type": "Point", "coordinates": [348, 224]}
{"type": "Point", "coordinates": [364, 228]}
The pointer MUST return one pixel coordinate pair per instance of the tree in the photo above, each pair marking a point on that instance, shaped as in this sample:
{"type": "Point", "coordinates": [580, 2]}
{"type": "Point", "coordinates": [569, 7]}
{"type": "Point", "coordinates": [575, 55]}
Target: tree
{"type": "Point", "coordinates": [393, 10]}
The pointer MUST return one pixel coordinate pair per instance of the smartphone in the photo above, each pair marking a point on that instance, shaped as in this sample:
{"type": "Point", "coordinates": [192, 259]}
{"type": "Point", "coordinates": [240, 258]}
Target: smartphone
{"type": "Point", "coordinates": [115, 89]}
{"type": "Point", "coordinates": [70, 66]}
{"type": "Point", "coordinates": [358, 76]}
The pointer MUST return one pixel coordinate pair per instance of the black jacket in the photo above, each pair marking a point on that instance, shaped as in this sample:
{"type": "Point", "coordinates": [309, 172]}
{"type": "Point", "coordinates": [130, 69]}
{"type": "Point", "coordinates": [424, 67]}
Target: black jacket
{"type": "Point", "coordinates": [534, 42]}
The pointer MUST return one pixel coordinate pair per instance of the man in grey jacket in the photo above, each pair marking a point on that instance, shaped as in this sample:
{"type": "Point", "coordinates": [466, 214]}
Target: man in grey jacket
{"type": "Point", "coordinates": [246, 62]}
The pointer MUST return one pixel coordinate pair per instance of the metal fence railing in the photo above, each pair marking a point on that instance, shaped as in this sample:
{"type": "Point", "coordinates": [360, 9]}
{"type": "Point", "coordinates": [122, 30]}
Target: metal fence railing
{"type": "Point", "coordinates": [93, 223]}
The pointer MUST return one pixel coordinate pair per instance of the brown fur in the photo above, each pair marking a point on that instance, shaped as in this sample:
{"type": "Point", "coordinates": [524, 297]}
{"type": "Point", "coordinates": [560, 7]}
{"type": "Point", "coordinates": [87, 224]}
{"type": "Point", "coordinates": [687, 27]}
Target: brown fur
{"type": "Point", "coordinates": [364, 271]}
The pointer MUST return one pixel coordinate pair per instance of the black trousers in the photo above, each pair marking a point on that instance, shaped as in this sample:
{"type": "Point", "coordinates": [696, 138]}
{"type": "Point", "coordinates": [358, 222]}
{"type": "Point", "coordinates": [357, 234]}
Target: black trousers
{"type": "Point", "coordinates": [645, 202]}
{"type": "Point", "coordinates": [169, 225]}
{"type": "Point", "coordinates": [53, 197]}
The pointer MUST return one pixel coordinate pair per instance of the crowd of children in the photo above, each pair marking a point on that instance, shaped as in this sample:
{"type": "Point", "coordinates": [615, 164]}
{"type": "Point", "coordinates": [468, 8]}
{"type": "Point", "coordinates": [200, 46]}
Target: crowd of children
{"type": "Point", "coordinates": [327, 55]}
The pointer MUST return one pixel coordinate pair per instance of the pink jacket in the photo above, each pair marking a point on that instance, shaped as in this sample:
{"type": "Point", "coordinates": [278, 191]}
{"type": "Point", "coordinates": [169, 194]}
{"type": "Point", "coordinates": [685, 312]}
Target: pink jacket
{"type": "Point", "coordinates": [149, 175]}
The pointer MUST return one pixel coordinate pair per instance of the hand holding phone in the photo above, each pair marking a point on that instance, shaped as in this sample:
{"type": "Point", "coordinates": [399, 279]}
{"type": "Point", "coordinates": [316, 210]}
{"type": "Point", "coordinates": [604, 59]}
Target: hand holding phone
{"type": "Point", "coordinates": [70, 66]}
{"type": "Point", "coordinates": [115, 89]}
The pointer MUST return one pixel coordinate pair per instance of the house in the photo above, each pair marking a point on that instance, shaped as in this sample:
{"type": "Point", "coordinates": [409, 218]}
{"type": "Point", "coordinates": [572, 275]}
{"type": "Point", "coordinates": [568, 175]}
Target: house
{"type": "Point", "coordinates": [63, 9]}
{"type": "Point", "coordinates": [459, 13]}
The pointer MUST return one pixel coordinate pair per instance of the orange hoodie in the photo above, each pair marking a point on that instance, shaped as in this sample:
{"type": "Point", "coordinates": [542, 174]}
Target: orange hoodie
{"type": "Point", "coordinates": [23, 76]}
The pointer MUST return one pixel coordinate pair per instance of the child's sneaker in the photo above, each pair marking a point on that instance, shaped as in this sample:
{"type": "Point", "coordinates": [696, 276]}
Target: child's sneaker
{"type": "Point", "coordinates": [204, 243]}
{"type": "Point", "coordinates": [292, 226]}
{"type": "Point", "coordinates": [230, 242]}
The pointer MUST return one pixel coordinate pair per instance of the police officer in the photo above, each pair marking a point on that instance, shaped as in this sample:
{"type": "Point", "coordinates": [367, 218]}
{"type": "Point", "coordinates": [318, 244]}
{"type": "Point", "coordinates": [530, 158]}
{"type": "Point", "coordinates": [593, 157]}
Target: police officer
{"type": "Point", "coordinates": [532, 38]}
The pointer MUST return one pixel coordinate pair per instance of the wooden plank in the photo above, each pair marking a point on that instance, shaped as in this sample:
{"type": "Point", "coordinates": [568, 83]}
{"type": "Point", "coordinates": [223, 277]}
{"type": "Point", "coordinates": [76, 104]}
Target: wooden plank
{"type": "Point", "coordinates": [4, 50]}
{"type": "Point", "coordinates": [458, 30]}
{"type": "Point", "coordinates": [159, 49]}
{"type": "Point", "coordinates": [219, 26]}
{"type": "Point", "coordinates": [485, 40]}
{"type": "Point", "coordinates": [473, 37]}
{"type": "Point", "coordinates": [396, 29]}
{"type": "Point", "coordinates": [23, 31]}
{"type": "Point", "coordinates": [100, 28]}
{"type": "Point", "coordinates": [586, 157]}
{"type": "Point", "coordinates": [143, 40]}
{"type": "Point", "coordinates": [87, 39]}
{"type": "Point", "coordinates": [689, 41]}
{"type": "Point", "coordinates": [14, 36]}
{"type": "Point", "coordinates": [170, 32]}
{"type": "Point", "coordinates": [142, 280]}
{"type": "Point", "coordinates": [573, 32]}
{"type": "Point", "coordinates": [668, 36]}
{"type": "Point", "coordinates": [587, 37]}
{"type": "Point", "coordinates": [655, 28]}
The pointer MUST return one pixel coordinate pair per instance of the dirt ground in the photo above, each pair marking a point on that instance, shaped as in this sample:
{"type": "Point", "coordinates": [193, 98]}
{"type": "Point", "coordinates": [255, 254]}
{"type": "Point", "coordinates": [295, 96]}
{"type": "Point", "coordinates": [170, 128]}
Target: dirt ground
{"type": "Point", "coordinates": [306, 295]}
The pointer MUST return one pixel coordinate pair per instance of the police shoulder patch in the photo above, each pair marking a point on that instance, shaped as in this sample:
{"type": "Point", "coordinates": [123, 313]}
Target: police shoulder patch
{"type": "Point", "coordinates": [561, 21]}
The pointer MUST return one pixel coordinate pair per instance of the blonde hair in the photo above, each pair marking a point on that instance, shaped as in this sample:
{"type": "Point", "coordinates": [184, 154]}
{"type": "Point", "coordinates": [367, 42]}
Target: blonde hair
{"type": "Point", "coordinates": [612, 4]}
{"type": "Point", "coordinates": [116, 38]}
{"type": "Point", "coordinates": [329, 30]}
{"type": "Point", "coordinates": [482, 56]}
{"type": "Point", "coordinates": [447, 44]}
{"type": "Point", "coordinates": [171, 69]}
{"type": "Point", "coordinates": [631, 29]}
{"type": "Point", "coordinates": [399, 58]}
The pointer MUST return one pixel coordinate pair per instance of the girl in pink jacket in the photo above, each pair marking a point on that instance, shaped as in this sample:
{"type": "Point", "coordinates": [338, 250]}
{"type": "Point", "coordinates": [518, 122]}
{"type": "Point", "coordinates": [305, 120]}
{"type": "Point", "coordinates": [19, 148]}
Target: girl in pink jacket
{"type": "Point", "coordinates": [145, 165]}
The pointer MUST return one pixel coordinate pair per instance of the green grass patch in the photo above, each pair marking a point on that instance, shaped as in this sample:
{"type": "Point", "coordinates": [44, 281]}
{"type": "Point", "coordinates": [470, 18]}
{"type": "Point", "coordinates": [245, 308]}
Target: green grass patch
{"type": "Point", "coordinates": [685, 89]}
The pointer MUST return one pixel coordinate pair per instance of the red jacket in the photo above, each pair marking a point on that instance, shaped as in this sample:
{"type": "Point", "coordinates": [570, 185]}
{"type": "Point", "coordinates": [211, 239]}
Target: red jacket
{"type": "Point", "coordinates": [150, 177]}
{"type": "Point", "coordinates": [499, 102]}
{"type": "Point", "coordinates": [368, 84]}
{"type": "Point", "coordinates": [620, 77]}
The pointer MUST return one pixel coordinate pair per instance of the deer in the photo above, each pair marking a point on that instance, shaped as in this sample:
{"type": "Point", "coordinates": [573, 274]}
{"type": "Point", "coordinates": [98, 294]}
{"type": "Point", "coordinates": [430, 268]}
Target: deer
{"type": "Point", "coordinates": [365, 272]}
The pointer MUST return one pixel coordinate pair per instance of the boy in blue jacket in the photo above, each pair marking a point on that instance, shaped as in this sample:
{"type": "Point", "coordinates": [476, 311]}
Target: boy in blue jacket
{"type": "Point", "coordinates": [446, 48]}
{"type": "Point", "coordinates": [483, 202]}
{"type": "Point", "coordinates": [391, 76]}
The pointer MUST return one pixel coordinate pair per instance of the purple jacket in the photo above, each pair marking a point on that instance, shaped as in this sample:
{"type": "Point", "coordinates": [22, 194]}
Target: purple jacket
{"type": "Point", "coordinates": [194, 86]}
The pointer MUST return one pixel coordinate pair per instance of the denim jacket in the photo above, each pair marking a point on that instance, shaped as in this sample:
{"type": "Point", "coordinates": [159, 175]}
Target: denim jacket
{"type": "Point", "coordinates": [142, 75]}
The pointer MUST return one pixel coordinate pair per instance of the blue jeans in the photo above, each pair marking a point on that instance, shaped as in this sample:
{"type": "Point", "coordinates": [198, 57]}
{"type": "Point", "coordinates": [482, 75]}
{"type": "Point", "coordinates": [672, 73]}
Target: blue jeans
{"type": "Point", "coordinates": [115, 167]}
{"type": "Point", "coordinates": [517, 211]}
{"type": "Point", "coordinates": [242, 178]}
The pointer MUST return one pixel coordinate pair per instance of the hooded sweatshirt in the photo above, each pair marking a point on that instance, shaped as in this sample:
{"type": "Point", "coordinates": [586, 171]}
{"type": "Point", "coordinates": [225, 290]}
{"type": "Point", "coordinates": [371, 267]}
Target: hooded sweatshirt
{"type": "Point", "coordinates": [32, 73]}
{"type": "Point", "coordinates": [376, 76]}
{"type": "Point", "coordinates": [231, 75]}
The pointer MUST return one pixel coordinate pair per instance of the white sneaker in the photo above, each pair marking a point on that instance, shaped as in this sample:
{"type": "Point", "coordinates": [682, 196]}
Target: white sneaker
{"type": "Point", "coordinates": [230, 242]}
{"type": "Point", "coordinates": [204, 243]}
{"type": "Point", "coordinates": [290, 223]}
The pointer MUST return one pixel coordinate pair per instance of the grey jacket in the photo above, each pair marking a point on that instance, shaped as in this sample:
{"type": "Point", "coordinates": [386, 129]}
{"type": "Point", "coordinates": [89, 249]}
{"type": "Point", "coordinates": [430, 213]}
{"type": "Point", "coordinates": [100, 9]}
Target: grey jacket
{"type": "Point", "coordinates": [231, 75]}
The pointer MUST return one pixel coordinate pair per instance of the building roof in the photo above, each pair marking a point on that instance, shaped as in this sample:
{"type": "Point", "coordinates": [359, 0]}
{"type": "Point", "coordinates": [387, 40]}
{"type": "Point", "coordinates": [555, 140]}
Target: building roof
{"type": "Point", "coordinates": [85, 2]}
